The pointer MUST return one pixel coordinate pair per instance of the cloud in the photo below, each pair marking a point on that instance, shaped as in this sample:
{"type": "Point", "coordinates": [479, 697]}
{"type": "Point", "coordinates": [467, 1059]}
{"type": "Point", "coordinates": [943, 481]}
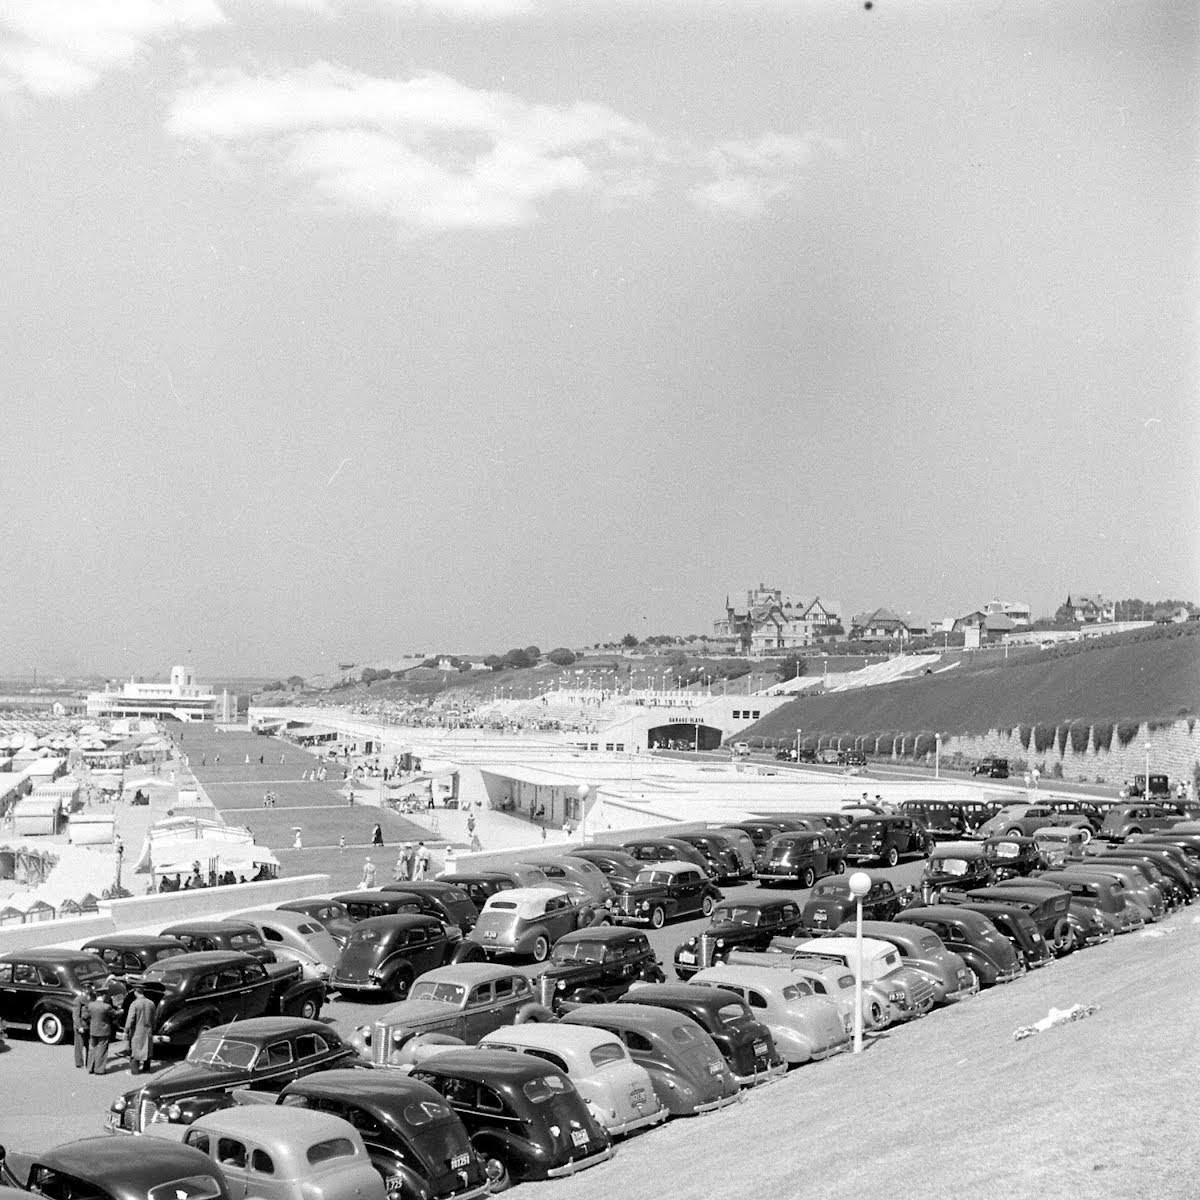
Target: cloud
{"type": "Point", "coordinates": [427, 153]}
{"type": "Point", "coordinates": [61, 47]}
{"type": "Point", "coordinates": [748, 175]}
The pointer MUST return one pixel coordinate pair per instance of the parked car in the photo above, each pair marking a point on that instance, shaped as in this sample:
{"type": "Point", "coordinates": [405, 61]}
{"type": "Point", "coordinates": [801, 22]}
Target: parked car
{"type": "Point", "coordinates": [1060, 843]}
{"type": "Point", "coordinates": [1023, 820]}
{"type": "Point", "coordinates": [287, 1154]}
{"type": "Point", "coordinates": [591, 966]}
{"type": "Point", "coordinates": [456, 1003]}
{"type": "Point", "coordinates": [973, 938]}
{"type": "Point", "coordinates": [260, 1055]}
{"type": "Point", "coordinates": [992, 767]}
{"type": "Point", "coordinates": [666, 849]}
{"type": "Point", "coordinates": [1174, 884]}
{"type": "Point", "coordinates": [616, 864]}
{"type": "Point", "coordinates": [103, 1168]}
{"type": "Point", "coordinates": [743, 925]}
{"type": "Point", "coordinates": [885, 839]}
{"type": "Point", "coordinates": [1088, 924]}
{"type": "Point", "coordinates": [364, 904]}
{"type": "Point", "coordinates": [665, 891]}
{"type": "Point", "coordinates": [127, 955]}
{"type": "Point", "coordinates": [946, 820]}
{"type": "Point", "coordinates": [441, 898]}
{"type": "Point", "coordinates": [329, 914]}
{"type": "Point", "coordinates": [1012, 855]}
{"type": "Point", "coordinates": [725, 864]}
{"type": "Point", "coordinates": [39, 989]}
{"type": "Point", "coordinates": [762, 830]}
{"type": "Point", "coordinates": [805, 1027]}
{"type": "Point", "coordinates": [1103, 893]}
{"type": "Point", "coordinates": [923, 951]}
{"type": "Point", "coordinates": [294, 937]}
{"type": "Point", "coordinates": [1075, 808]}
{"type": "Point", "coordinates": [415, 1142]}
{"type": "Point", "coordinates": [479, 885]}
{"type": "Point", "coordinates": [568, 869]}
{"type": "Point", "coordinates": [528, 921]}
{"type": "Point", "coordinates": [385, 954]}
{"type": "Point", "coordinates": [958, 865]}
{"type": "Point", "coordinates": [800, 859]}
{"type": "Point", "coordinates": [688, 1072]}
{"type": "Point", "coordinates": [831, 902]}
{"type": "Point", "coordinates": [230, 934]}
{"type": "Point", "coordinates": [524, 1116]}
{"type": "Point", "coordinates": [1127, 820]}
{"type": "Point", "coordinates": [1017, 926]}
{"type": "Point", "coordinates": [744, 1041]}
{"type": "Point", "coordinates": [618, 1092]}
{"type": "Point", "coordinates": [1048, 906]}
{"type": "Point", "coordinates": [1146, 902]}
{"type": "Point", "coordinates": [1160, 787]}
{"type": "Point", "coordinates": [742, 843]}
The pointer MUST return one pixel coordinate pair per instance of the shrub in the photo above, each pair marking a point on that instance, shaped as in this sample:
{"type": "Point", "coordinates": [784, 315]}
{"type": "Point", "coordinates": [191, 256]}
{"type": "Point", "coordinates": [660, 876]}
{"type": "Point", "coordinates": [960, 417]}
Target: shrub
{"type": "Point", "coordinates": [1127, 731]}
{"type": "Point", "coordinates": [1191, 724]}
{"type": "Point", "coordinates": [1056, 771]}
{"type": "Point", "coordinates": [1080, 734]}
{"type": "Point", "coordinates": [1018, 766]}
{"type": "Point", "coordinates": [924, 744]}
{"type": "Point", "coordinates": [1064, 732]}
{"type": "Point", "coordinates": [561, 656]}
{"type": "Point", "coordinates": [1026, 733]}
{"type": "Point", "coordinates": [1102, 733]}
{"type": "Point", "coordinates": [1043, 737]}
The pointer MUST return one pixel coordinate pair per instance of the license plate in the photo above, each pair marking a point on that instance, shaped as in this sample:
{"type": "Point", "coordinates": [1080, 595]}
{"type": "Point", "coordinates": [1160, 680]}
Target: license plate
{"type": "Point", "coordinates": [489, 933]}
{"type": "Point", "coordinates": [394, 1183]}
{"type": "Point", "coordinates": [459, 1161]}
{"type": "Point", "coordinates": [760, 1048]}
{"type": "Point", "coordinates": [714, 1068]}
{"type": "Point", "coordinates": [686, 956]}
{"type": "Point", "coordinates": [579, 1137]}
{"type": "Point", "coordinates": [820, 918]}
{"type": "Point", "coordinates": [637, 1096]}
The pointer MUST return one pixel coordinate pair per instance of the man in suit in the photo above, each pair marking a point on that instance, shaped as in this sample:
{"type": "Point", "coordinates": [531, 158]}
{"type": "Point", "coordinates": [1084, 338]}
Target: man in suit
{"type": "Point", "coordinates": [139, 1030]}
{"type": "Point", "coordinates": [79, 1023]}
{"type": "Point", "coordinates": [101, 1019]}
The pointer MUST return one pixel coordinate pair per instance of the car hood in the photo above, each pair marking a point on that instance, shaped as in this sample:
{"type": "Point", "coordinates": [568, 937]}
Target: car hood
{"type": "Point", "coordinates": [641, 891]}
{"type": "Point", "coordinates": [416, 1012]}
{"type": "Point", "coordinates": [185, 1079]}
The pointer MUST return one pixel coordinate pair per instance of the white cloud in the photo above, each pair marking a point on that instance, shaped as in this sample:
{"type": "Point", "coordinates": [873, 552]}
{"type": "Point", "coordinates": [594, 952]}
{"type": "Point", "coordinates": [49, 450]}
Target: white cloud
{"type": "Point", "coordinates": [61, 47]}
{"type": "Point", "coordinates": [427, 153]}
{"type": "Point", "coordinates": [465, 10]}
{"type": "Point", "coordinates": [748, 175]}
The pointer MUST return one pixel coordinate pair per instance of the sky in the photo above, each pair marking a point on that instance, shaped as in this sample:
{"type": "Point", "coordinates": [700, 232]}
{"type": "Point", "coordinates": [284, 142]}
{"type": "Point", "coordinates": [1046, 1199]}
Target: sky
{"type": "Point", "coordinates": [335, 330]}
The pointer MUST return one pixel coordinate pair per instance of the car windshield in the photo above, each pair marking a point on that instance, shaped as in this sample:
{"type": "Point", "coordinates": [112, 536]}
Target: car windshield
{"type": "Point", "coordinates": [168, 952]}
{"type": "Point", "coordinates": [548, 1086]}
{"type": "Point", "coordinates": [501, 906]}
{"type": "Point", "coordinates": [845, 981]}
{"type": "Point", "coordinates": [1006, 850]}
{"type": "Point", "coordinates": [737, 914]}
{"type": "Point", "coordinates": [867, 827]}
{"type": "Point", "coordinates": [245, 941]}
{"type": "Point", "coordinates": [952, 866]}
{"type": "Point", "coordinates": [731, 1013]}
{"type": "Point", "coordinates": [361, 936]}
{"type": "Point", "coordinates": [424, 1112]}
{"type": "Point", "coordinates": [657, 877]}
{"type": "Point", "coordinates": [831, 887]}
{"type": "Point", "coordinates": [794, 991]}
{"type": "Point", "coordinates": [443, 993]}
{"type": "Point", "coordinates": [930, 942]}
{"type": "Point", "coordinates": [592, 952]}
{"type": "Point", "coordinates": [212, 1049]}
{"type": "Point", "coordinates": [88, 972]}
{"type": "Point", "coordinates": [607, 1052]}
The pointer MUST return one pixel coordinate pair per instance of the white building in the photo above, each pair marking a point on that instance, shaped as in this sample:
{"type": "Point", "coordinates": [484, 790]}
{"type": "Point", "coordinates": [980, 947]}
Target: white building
{"type": "Point", "coordinates": [182, 699]}
{"type": "Point", "coordinates": [1016, 611]}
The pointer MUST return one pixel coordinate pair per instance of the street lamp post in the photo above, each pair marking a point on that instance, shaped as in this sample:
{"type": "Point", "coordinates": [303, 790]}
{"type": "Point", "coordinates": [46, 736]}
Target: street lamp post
{"type": "Point", "coordinates": [937, 755]}
{"type": "Point", "coordinates": [798, 732]}
{"type": "Point", "coordinates": [860, 885]}
{"type": "Point", "coordinates": [1146, 786]}
{"type": "Point", "coordinates": [583, 791]}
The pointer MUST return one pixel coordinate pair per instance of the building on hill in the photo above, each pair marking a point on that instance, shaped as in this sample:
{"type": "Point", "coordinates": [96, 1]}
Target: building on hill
{"type": "Point", "coordinates": [1087, 609]}
{"type": "Point", "coordinates": [980, 627]}
{"type": "Point", "coordinates": [1017, 612]}
{"type": "Point", "coordinates": [771, 621]}
{"type": "Point", "coordinates": [882, 625]}
{"type": "Point", "coordinates": [182, 699]}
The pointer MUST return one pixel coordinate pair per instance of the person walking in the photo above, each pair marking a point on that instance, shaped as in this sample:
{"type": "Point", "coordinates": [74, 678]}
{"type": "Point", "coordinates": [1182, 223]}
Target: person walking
{"type": "Point", "coordinates": [377, 836]}
{"type": "Point", "coordinates": [139, 1030]}
{"type": "Point", "coordinates": [101, 1022]}
{"type": "Point", "coordinates": [79, 1022]}
{"type": "Point", "coordinates": [297, 841]}
{"type": "Point", "coordinates": [422, 861]}
{"type": "Point", "coordinates": [368, 875]}
{"type": "Point", "coordinates": [404, 863]}
{"type": "Point", "coordinates": [341, 841]}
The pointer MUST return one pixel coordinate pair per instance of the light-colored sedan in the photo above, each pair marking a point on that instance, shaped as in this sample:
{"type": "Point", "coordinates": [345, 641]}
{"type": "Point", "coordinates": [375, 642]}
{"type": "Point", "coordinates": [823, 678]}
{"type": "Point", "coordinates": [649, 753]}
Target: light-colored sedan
{"type": "Point", "coordinates": [294, 937]}
{"type": "Point", "coordinates": [619, 1093]}
{"type": "Point", "coordinates": [277, 1153]}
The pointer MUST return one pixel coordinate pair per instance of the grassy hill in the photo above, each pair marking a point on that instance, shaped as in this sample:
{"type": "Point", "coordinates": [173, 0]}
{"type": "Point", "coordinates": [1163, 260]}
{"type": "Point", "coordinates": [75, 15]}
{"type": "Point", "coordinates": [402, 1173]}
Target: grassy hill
{"type": "Point", "coordinates": [1138, 680]}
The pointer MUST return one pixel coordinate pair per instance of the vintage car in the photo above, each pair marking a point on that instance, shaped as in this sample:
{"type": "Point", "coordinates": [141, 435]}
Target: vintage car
{"type": "Point", "coordinates": [441, 898]}
{"type": "Point", "coordinates": [1140, 906]}
{"type": "Point", "coordinates": [1023, 820]}
{"type": "Point", "coordinates": [725, 863]}
{"type": "Point", "coordinates": [39, 989]}
{"type": "Point", "coordinates": [1184, 849]}
{"type": "Point", "coordinates": [1018, 927]}
{"type": "Point", "coordinates": [1071, 807]}
{"type": "Point", "coordinates": [591, 966]}
{"type": "Point", "coordinates": [799, 858]}
{"type": "Point", "coordinates": [231, 934]}
{"type": "Point", "coordinates": [616, 864]}
{"type": "Point", "coordinates": [1104, 894]}
{"type": "Point", "coordinates": [1160, 787]}
{"type": "Point", "coordinates": [805, 1027]}
{"type": "Point", "coordinates": [567, 869]}
{"type": "Point", "coordinates": [1127, 820]}
{"type": "Point", "coordinates": [328, 913]}
{"type": "Point", "coordinates": [761, 831]}
{"type": "Point", "coordinates": [831, 902]}
{"type": "Point", "coordinates": [666, 849]}
{"type": "Point", "coordinates": [364, 904]}
{"type": "Point", "coordinates": [261, 1055]}
{"type": "Point", "coordinates": [1011, 855]}
{"type": "Point", "coordinates": [744, 1041]}
{"type": "Point", "coordinates": [992, 767]}
{"type": "Point", "coordinates": [414, 1139]}
{"type": "Point", "coordinates": [619, 1093]}
{"type": "Point", "coordinates": [196, 991]}
{"type": "Point", "coordinates": [1048, 905]}
{"type": "Point", "coordinates": [737, 925]}
{"type": "Point", "coordinates": [742, 842]}
{"type": "Point", "coordinates": [280, 1154]}
{"type": "Point", "coordinates": [1088, 924]}
{"type": "Point", "coordinates": [127, 955]}
{"type": "Point", "coordinates": [458, 1003]}
{"type": "Point", "coordinates": [945, 819]}
{"type": "Point", "coordinates": [973, 938]}
{"type": "Point", "coordinates": [907, 993]}
{"type": "Point", "coordinates": [885, 839]}
{"type": "Point", "coordinates": [923, 951]}
{"type": "Point", "coordinates": [1165, 870]}
{"type": "Point", "coordinates": [294, 937]}
{"type": "Point", "coordinates": [1058, 844]}
{"type": "Point", "coordinates": [1149, 896]}
{"type": "Point", "coordinates": [1174, 895]}
{"type": "Point", "coordinates": [524, 1116]}
{"type": "Point", "coordinates": [665, 891]}
{"type": "Point", "coordinates": [687, 1070]}
{"type": "Point", "coordinates": [955, 865]}
{"type": "Point", "coordinates": [528, 921]}
{"type": "Point", "coordinates": [385, 954]}
{"type": "Point", "coordinates": [103, 1168]}
{"type": "Point", "coordinates": [479, 885]}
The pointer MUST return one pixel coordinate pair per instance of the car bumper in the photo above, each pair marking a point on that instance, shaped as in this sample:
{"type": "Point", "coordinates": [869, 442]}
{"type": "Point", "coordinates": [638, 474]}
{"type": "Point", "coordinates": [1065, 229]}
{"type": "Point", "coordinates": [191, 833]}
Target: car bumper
{"type": "Point", "coordinates": [581, 1164]}
{"type": "Point", "coordinates": [1009, 976]}
{"type": "Point", "coordinates": [766, 1075]}
{"type": "Point", "coordinates": [829, 1051]}
{"type": "Point", "coordinates": [355, 985]}
{"type": "Point", "coordinates": [723, 1102]}
{"type": "Point", "coordinates": [964, 993]}
{"type": "Point", "coordinates": [635, 1123]}
{"type": "Point", "coordinates": [631, 919]}
{"type": "Point", "coordinates": [859, 857]}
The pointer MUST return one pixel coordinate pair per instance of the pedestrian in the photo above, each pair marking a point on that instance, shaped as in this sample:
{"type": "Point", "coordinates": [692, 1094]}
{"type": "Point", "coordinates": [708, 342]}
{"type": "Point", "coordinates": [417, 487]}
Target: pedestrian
{"type": "Point", "coordinates": [377, 836]}
{"type": "Point", "coordinates": [260, 760]}
{"type": "Point", "coordinates": [368, 875]}
{"type": "Point", "coordinates": [476, 844]}
{"type": "Point", "coordinates": [1036, 775]}
{"type": "Point", "coordinates": [422, 861]}
{"type": "Point", "coordinates": [139, 1030]}
{"type": "Point", "coordinates": [470, 822]}
{"type": "Point", "coordinates": [297, 841]}
{"type": "Point", "coordinates": [79, 1022]}
{"type": "Point", "coordinates": [217, 761]}
{"type": "Point", "coordinates": [204, 760]}
{"type": "Point", "coordinates": [247, 760]}
{"type": "Point", "coordinates": [101, 1022]}
{"type": "Point", "coordinates": [341, 841]}
{"type": "Point", "coordinates": [566, 830]}
{"type": "Point", "coordinates": [408, 857]}
{"type": "Point", "coordinates": [281, 760]}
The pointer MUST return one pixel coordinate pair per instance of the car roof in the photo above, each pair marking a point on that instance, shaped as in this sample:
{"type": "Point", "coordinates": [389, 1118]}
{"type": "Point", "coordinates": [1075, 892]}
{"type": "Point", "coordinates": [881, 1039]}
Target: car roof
{"type": "Point", "coordinates": [624, 1016]}
{"type": "Point", "coordinates": [47, 954]}
{"type": "Point", "coordinates": [353, 1083]}
{"type": "Point", "coordinates": [201, 959]}
{"type": "Point", "coordinates": [843, 945]}
{"type": "Point", "coordinates": [124, 1165]}
{"type": "Point", "coordinates": [533, 896]}
{"type": "Point", "coordinates": [743, 975]}
{"type": "Point", "coordinates": [273, 916]}
{"type": "Point", "coordinates": [580, 1039]}
{"type": "Point", "coordinates": [941, 911]}
{"type": "Point", "coordinates": [681, 994]}
{"type": "Point", "coordinates": [885, 930]}
{"type": "Point", "coordinates": [670, 865]}
{"type": "Point", "coordinates": [958, 849]}
{"type": "Point", "coordinates": [132, 941]}
{"type": "Point", "coordinates": [391, 921]}
{"type": "Point", "coordinates": [423, 887]}
{"type": "Point", "coordinates": [374, 895]}
{"type": "Point", "coordinates": [215, 925]}
{"type": "Point", "coordinates": [272, 1027]}
{"type": "Point", "coordinates": [601, 933]}
{"type": "Point", "coordinates": [486, 1066]}
{"type": "Point", "coordinates": [273, 1123]}
{"type": "Point", "coordinates": [469, 973]}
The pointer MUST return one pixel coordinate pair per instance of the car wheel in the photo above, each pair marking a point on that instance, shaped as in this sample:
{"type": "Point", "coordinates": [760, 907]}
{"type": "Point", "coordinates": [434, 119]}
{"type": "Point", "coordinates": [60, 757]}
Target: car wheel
{"type": "Point", "coordinates": [840, 866]}
{"type": "Point", "coordinates": [1062, 940]}
{"type": "Point", "coordinates": [398, 985]}
{"type": "Point", "coordinates": [498, 1177]}
{"type": "Point", "coordinates": [51, 1029]}
{"type": "Point", "coordinates": [658, 916]}
{"type": "Point", "coordinates": [892, 857]}
{"type": "Point", "coordinates": [1133, 832]}
{"type": "Point", "coordinates": [875, 1015]}
{"type": "Point", "coordinates": [541, 948]}
{"type": "Point", "coordinates": [707, 905]}
{"type": "Point", "coordinates": [310, 1010]}
{"type": "Point", "coordinates": [535, 1013]}
{"type": "Point", "coordinates": [808, 877]}
{"type": "Point", "coordinates": [1085, 832]}
{"type": "Point", "coordinates": [1015, 831]}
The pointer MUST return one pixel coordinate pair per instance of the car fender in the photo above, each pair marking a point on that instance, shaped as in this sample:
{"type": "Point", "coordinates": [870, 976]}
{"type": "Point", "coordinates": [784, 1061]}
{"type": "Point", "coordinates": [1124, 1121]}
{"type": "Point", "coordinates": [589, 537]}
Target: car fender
{"type": "Point", "coordinates": [62, 1009]}
{"type": "Point", "coordinates": [394, 1169]}
{"type": "Point", "coordinates": [791, 1043]}
{"type": "Point", "coordinates": [509, 1147]}
{"type": "Point", "coordinates": [984, 968]}
{"type": "Point", "coordinates": [524, 944]}
{"type": "Point", "coordinates": [305, 989]}
{"type": "Point", "coordinates": [189, 1022]}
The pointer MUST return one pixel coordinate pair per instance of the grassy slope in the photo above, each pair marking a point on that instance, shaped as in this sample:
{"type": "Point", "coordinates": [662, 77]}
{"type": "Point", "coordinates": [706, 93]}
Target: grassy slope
{"type": "Point", "coordinates": [952, 1106]}
{"type": "Point", "coordinates": [1135, 681]}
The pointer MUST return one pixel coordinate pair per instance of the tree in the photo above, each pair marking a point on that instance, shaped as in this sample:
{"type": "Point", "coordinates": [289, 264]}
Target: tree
{"type": "Point", "coordinates": [791, 666]}
{"type": "Point", "coordinates": [385, 673]}
{"type": "Point", "coordinates": [561, 656]}
{"type": "Point", "coordinates": [368, 676]}
{"type": "Point", "coordinates": [518, 658]}
{"type": "Point", "coordinates": [533, 654]}
{"type": "Point", "coordinates": [494, 662]}
{"type": "Point", "coordinates": [295, 681]}
{"type": "Point", "coordinates": [629, 641]}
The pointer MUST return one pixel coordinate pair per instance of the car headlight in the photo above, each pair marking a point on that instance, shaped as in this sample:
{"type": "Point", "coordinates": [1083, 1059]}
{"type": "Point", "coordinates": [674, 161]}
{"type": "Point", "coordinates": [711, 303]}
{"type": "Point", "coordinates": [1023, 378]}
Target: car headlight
{"type": "Point", "coordinates": [120, 1104]}
{"type": "Point", "coordinates": [720, 942]}
{"type": "Point", "coordinates": [174, 1113]}
{"type": "Point", "coordinates": [364, 1032]}
{"type": "Point", "coordinates": [561, 985]}
{"type": "Point", "coordinates": [645, 904]}
{"type": "Point", "coordinates": [397, 1036]}
{"type": "Point", "coordinates": [375, 973]}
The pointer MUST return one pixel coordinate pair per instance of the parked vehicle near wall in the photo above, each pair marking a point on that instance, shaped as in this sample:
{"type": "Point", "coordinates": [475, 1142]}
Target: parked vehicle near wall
{"type": "Point", "coordinates": [385, 955]}
{"type": "Point", "coordinates": [923, 951]}
{"type": "Point", "coordinates": [958, 865]}
{"type": "Point", "coordinates": [329, 914]}
{"type": "Point", "coordinates": [39, 989]}
{"type": "Point", "coordinates": [593, 966]}
{"type": "Point", "coordinates": [567, 870]}
{"type": "Point", "coordinates": [973, 938]}
{"type": "Point", "coordinates": [831, 902]}
{"type": "Point", "coordinates": [1010, 855]}
{"type": "Point", "coordinates": [294, 937]}
{"type": "Point", "coordinates": [528, 921]}
{"type": "Point", "coordinates": [746, 925]}
{"type": "Point", "coordinates": [886, 840]}
{"type": "Point", "coordinates": [724, 863]}
{"type": "Point", "coordinates": [664, 891]}
{"type": "Point", "coordinates": [479, 885]}
{"type": "Point", "coordinates": [440, 898]}
{"type": "Point", "coordinates": [128, 955]}
{"type": "Point", "coordinates": [616, 864]}
{"type": "Point", "coordinates": [799, 859]}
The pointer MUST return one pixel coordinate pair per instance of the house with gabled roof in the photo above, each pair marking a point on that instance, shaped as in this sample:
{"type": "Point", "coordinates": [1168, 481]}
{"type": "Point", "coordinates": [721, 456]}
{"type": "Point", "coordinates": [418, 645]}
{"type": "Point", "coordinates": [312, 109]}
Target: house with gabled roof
{"type": "Point", "coordinates": [1087, 609]}
{"type": "Point", "coordinates": [881, 625]}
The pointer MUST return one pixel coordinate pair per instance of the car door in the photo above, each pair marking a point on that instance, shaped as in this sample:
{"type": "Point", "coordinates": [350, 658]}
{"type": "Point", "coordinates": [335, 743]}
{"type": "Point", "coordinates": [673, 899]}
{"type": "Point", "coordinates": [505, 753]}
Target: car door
{"type": "Point", "coordinates": [559, 916]}
{"type": "Point", "coordinates": [686, 891]}
{"type": "Point", "coordinates": [12, 999]}
{"type": "Point", "coordinates": [820, 853]}
{"type": "Point", "coordinates": [475, 1019]}
{"type": "Point", "coordinates": [255, 987]}
{"type": "Point", "coordinates": [275, 1066]}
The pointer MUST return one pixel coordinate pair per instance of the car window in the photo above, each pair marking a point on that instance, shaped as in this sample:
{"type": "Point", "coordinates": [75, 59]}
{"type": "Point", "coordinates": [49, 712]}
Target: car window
{"type": "Point", "coordinates": [272, 935]}
{"type": "Point", "coordinates": [260, 1161]}
{"type": "Point", "coordinates": [231, 1152]}
{"type": "Point", "coordinates": [547, 1055]}
{"type": "Point", "coordinates": [48, 977]}
{"type": "Point", "coordinates": [757, 999]}
{"type": "Point", "coordinates": [489, 1101]}
{"type": "Point", "coordinates": [446, 993]}
{"type": "Point", "coordinates": [130, 962]}
{"type": "Point", "coordinates": [24, 973]}
{"type": "Point", "coordinates": [6, 972]}
{"type": "Point", "coordinates": [332, 1148]}
{"type": "Point", "coordinates": [794, 991]}
{"type": "Point", "coordinates": [636, 1041]}
{"type": "Point", "coordinates": [197, 1138]}
{"type": "Point", "coordinates": [253, 973]}
{"type": "Point", "coordinates": [310, 1044]}
{"type": "Point", "coordinates": [278, 1054]}
{"type": "Point", "coordinates": [544, 1088]}
{"type": "Point", "coordinates": [505, 987]}
{"type": "Point", "coordinates": [608, 1052]}
{"type": "Point", "coordinates": [682, 1034]}
{"type": "Point", "coordinates": [481, 994]}
{"type": "Point", "coordinates": [229, 979]}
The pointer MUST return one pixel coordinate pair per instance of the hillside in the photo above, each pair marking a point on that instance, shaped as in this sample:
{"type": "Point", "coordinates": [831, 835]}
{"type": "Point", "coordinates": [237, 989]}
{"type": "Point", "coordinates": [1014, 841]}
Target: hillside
{"type": "Point", "coordinates": [1153, 679]}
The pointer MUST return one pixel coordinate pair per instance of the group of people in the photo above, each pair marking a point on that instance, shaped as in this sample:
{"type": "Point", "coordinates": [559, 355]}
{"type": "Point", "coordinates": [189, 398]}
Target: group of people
{"type": "Point", "coordinates": [97, 1021]}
